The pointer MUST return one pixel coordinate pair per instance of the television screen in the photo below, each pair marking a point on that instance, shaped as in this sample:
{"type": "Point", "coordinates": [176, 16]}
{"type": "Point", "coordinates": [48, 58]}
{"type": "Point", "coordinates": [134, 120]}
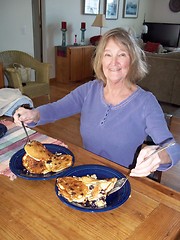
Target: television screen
{"type": "Point", "coordinates": [167, 34]}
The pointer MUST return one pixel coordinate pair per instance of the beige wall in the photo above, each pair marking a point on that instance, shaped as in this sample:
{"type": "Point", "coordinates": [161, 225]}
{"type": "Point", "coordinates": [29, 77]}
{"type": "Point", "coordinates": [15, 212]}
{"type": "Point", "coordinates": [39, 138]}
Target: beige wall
{"type": "Point", "coordinates": [72, 12]}
{"type": "Point", "coordinates": [16, 22]}
{"type": "Point", "coordinates": [160, 12]}
{"type": "Point", "coordinates": [16, 25]}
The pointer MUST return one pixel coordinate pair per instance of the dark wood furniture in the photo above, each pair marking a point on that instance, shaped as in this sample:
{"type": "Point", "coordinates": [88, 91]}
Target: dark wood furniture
{"type": "Point", "coordinates": [73, 63]}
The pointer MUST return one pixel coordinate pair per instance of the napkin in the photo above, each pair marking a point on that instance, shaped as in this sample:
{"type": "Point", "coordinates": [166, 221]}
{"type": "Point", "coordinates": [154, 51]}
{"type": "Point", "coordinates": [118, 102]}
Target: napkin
{"type": "Point", "coordinates": [14, 140]}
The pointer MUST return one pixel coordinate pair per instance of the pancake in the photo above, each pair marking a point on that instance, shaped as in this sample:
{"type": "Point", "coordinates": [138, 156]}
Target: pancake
{"type": "Point", "coordinates": [38, 159]}
{"type": "Point", "coordinates": [87, 191]}
{"type": "Point", "coordinates": [33, 166]}
{"type": "Point", "coordinates": [37, 151]}
{"type": "Point", "coordinates": [72, 189]}
{"type": "Point", "coordinates": [58, 163]}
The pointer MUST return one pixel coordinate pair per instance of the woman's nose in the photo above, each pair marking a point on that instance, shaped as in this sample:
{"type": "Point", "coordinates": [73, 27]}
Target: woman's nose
{"type": "Point", "coordinates": [114, 60]}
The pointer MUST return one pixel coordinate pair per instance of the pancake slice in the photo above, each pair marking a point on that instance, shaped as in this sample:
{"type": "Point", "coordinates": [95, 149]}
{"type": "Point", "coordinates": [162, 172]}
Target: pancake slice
{"type": "Point", "coordinates": [87, 191]}
{"type": "Point", "coordinates": [33, 166]}
{"type": "Point", "coordinates": [59, 162]}
{"type": "Point", "coordinates": [37, 151]}
{"type": "Point", "coordinates": [38, 159]}
{"type": "Point", "coordinates": [72, 189]}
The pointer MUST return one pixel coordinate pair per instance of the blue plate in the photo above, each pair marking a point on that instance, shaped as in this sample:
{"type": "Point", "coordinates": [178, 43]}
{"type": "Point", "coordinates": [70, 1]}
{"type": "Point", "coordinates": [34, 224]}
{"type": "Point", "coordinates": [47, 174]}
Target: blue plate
{"type": "Point", "coordinates": [113, 201]}
{"type": "Point", "coordinates": [18, 169]}
{"type": "Point", "coordinates": [3, 130]}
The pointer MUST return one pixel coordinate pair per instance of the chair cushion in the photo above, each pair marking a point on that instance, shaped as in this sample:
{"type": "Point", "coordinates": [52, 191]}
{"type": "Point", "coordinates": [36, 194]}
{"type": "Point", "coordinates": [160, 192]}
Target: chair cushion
{"type": "Point", "coordinates": [26, 74]}
{"type": "Point", "coordinates": [35, 89]}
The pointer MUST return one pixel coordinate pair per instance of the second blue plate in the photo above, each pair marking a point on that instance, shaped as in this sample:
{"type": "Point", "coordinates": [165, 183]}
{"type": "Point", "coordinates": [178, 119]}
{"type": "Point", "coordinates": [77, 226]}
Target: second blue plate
{"type": "Point", "coordinates": [113, 201]}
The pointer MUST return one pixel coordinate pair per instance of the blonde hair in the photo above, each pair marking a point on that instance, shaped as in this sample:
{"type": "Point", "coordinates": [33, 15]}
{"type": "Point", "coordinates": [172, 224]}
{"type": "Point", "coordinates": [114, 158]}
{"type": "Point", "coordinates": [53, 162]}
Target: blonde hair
{"type": "Point", "coordinates": [138, 65]}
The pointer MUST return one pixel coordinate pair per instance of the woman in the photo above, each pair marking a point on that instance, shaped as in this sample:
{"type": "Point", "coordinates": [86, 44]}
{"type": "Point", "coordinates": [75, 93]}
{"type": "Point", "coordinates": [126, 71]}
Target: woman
{"type": "Point", "coordinates": [116, 114]}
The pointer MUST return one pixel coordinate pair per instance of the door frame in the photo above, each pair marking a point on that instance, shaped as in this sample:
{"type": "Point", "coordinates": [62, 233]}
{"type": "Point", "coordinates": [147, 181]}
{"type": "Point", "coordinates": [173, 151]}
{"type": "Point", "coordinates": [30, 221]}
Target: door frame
{"type": "Point", "coordinates": [37, 23]}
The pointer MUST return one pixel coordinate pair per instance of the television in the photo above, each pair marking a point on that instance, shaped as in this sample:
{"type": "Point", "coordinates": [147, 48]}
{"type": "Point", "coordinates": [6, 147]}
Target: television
{"type": "Point", "coordinates": [167, 34]}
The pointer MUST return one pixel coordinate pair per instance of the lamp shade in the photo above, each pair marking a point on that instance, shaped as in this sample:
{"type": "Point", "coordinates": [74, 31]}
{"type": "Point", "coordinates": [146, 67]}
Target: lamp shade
{"type": "Point", "coordinates": [99, 21]}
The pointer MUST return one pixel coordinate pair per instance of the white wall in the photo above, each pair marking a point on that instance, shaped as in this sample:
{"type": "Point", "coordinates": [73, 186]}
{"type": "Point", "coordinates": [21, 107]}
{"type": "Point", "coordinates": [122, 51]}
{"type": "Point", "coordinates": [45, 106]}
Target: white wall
{"type": "Point", "coordinates": [16, 25]}
{"type": "Point", "coordinates": [160, 12]}
{"type": "Point", "coordinates": [16, 22]}
{"type": "Point", "coordinates": [72, 12]}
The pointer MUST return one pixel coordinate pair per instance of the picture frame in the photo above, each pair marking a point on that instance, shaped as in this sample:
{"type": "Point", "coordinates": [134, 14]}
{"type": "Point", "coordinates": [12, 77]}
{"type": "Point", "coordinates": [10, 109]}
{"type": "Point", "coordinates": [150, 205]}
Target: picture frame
{"type": "Point", "coordinates": [131, 8]}
{"type": "Point", "coordinates": [91, 7]}
{"type": "Point", "coordinates": [112, 9]}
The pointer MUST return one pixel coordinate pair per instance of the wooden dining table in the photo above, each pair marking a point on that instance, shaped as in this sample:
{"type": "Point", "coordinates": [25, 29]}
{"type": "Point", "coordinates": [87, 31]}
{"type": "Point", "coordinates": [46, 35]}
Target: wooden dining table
{"type": "Point", "coordinates": [31, 210]}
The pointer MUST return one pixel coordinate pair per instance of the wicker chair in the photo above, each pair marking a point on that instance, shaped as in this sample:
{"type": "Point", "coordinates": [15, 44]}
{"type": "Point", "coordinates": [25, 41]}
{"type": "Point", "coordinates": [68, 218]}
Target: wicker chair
{"type": "Point", "coordinates": [32, 89]}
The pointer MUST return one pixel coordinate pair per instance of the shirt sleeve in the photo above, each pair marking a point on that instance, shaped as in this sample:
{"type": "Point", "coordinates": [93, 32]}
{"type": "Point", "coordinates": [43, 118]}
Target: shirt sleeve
{"type": "Point", "coordinates": [158, 130]}
{"type": "Point", "coordinates": [67, 106]}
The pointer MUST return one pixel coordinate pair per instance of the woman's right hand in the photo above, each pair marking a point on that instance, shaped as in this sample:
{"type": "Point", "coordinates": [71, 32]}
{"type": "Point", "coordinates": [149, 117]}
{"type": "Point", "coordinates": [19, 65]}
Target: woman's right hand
{"type": "Point", "coordinates": [26, 115]}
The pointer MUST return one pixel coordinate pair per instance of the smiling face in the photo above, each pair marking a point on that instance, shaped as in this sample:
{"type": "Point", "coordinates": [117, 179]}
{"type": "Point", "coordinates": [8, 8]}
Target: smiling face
{"type": "Point", "coordinates": [115, 62]}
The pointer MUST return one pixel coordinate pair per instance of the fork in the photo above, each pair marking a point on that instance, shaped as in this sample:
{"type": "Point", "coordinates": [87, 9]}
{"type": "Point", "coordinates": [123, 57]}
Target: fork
{"type": "Point", "coordinates": [120, 183]}
{"type": "Point", "coordinates": [28, 139]}
{"type": "Point", "coordinates": [161, 147]}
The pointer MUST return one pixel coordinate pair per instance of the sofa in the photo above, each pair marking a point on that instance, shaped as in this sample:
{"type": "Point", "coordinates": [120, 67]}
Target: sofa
{"type": "Point", "coordinates": [163, 80]}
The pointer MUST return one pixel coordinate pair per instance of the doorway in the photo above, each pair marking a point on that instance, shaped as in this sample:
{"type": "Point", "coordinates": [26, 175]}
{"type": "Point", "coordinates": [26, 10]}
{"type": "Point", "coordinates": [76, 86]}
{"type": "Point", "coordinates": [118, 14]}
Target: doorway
{"type": "Point", "coordinates": [37, 29]}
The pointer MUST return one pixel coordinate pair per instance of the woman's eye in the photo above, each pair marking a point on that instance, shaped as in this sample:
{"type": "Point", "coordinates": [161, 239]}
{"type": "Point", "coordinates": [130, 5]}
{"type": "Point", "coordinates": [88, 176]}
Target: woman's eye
{"type": "Point", "coordinates": [122, 54]}
{"type": "Point", "coordinates": [107, 55]}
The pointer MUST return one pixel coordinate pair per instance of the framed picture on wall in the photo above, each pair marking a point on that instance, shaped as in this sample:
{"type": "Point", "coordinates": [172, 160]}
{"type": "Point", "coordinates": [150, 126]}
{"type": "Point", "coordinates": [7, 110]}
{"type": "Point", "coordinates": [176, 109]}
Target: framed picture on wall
{"type": "Point", "coordinates": [131, 8]}
{"type": "Point", "coordinates": [112, 9]}
{"type": "Point", "coordinates": [91, 7]}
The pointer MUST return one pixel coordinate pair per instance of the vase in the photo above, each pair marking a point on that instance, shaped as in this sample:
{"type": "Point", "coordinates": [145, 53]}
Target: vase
{"type": "Point", "coordinates": [83, 36]}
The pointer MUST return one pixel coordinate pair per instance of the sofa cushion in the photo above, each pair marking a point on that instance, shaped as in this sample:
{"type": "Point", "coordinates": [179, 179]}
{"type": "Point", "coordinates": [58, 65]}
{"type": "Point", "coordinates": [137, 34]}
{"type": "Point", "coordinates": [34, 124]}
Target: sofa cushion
{"type": "Point", "coordinates": [151, 47]}
{"type": "Point", "coordinates": [163, 79]}
{"type": "Point", "coordinates": [170, 55]}
{"type": "Point", "coordinates": [160, 80]}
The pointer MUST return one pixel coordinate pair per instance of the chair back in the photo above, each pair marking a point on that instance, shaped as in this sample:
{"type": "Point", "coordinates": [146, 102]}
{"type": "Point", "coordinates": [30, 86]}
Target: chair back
{"type": "Point", "coordinates": [39, 86]}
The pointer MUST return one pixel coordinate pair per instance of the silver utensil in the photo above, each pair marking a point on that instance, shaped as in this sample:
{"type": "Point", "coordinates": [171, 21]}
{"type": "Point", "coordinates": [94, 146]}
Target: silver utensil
{"type": "Point", "coordinates": [160, 148]}
{"type": "Point", "coordinates": [28, 139]}
{"type": "Point", "coordinates": [120, 183]}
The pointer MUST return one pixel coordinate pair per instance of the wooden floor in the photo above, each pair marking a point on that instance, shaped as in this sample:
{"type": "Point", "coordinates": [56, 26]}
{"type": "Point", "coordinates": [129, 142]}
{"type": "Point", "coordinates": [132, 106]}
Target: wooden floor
{"type": "Point", "coordinates": [68, 130]}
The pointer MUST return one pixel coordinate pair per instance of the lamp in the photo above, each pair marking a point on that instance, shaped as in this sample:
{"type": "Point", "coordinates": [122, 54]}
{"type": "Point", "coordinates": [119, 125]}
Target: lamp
{"type": "Point", "coordinates": [144, 27]}
{"type": "Point", "coordinates": [99, 21]}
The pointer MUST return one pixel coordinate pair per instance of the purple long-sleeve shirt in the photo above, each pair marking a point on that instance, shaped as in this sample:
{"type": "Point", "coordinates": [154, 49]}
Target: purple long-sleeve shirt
{"type": "Point", "coordinates": [113, 132]}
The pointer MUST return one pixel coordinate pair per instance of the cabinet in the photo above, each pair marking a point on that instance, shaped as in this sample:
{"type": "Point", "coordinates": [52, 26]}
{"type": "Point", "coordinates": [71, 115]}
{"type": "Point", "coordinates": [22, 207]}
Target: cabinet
{"type": "Point", "coordinates": [73, 63]}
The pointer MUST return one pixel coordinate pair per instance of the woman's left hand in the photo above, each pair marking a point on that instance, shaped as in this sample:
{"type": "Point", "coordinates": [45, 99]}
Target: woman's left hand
{"type": "Point", "coordinates": [144, 167]}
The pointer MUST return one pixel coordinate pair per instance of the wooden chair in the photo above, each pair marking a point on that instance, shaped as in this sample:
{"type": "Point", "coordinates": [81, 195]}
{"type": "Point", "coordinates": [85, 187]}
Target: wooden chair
{"type": "Point", "coordinates": [39, 86]}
